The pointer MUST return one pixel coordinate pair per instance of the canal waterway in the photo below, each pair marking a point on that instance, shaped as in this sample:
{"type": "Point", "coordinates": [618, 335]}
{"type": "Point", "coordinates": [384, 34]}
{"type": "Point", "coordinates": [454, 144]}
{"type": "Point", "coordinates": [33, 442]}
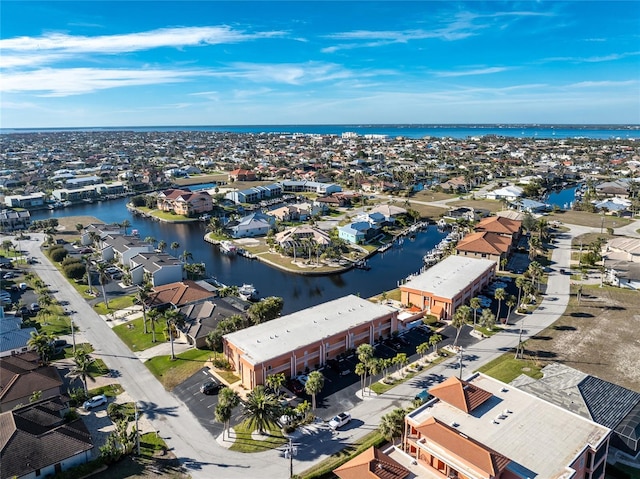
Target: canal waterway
{"type": "Point", "coordinates": [562, 198]}
{"type": "Point", "coordinates": [299, 292]}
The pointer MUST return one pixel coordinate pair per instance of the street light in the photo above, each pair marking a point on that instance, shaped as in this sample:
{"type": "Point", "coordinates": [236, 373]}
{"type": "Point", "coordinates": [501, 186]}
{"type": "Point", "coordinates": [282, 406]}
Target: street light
{"type": "Point", "coordinates": [135, 405]}
{"type": "Point", "coordinates": [289, 452]}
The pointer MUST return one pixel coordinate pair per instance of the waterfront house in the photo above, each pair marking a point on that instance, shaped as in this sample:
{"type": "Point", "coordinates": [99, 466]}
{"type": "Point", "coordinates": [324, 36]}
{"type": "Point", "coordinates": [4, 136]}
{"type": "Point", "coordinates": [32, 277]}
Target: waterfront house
{"type": "Point", "coordinates": [184, 202]}
{"type": "Point", "coordinates": [619, 188]}
{"type": "Point", "coordinates": [34, 200]}
{"type": "Point", "coordinates": [447, 285]}
{"type": "Point", "coordinates": [510, 193]}
{"type": "Point", "coordinates": [14, 220]}
{"type": "Point", "coordinates": [122, 248]}
{"type": "Point", "coordinates": [159, 268]}
{"type": "Point", "coordinates": [500, 225]}
{"type": "Point", "coordinates": [389, 212]}
{"type": "Point", "coordinates": [179, 294]}
{"type": "Point", "coordinates": [254, 224]}
{"type": "Point", "coordinates": [76, 194]}
{"type": "Point", "coordinates": [354, 233]}
{"type": "Point", "coordinates": [99, 231]}
{"type": "Point", "coordinates": [41, 440]}
{"type": "Point", "coordinates": [484, 244]}
{"type": "Point", "coordinates": [482, 428]}
{"type": "Point", "coordinates": [255, 194]}
{"type": "Point", "coordinates": [302, 186]}
{"type": "Point", "coordinates": [306, 339]}
{"type": "Point", "coordinates": [79, 182]}
{"type": "Point", "coordinates": [296, 235]}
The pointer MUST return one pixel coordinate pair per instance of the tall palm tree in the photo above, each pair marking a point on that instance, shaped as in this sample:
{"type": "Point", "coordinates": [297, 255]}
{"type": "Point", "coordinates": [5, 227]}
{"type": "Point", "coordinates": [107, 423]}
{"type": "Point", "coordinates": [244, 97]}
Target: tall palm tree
{"type": "Point", "coordinates": [434, 339]}
{"type": "Point", "coordinates": [392, 425]}
{"type": "Point", "coordinates": [82, 365]}
{"type": "Point", "coordinates": [275, 382]}
{"type": "Point", "coordinates": [154, 317]}
{"type": "Point", "coordinates": [261, 409]}
{"type": "Point", "coordinates": [86, 259]}
{"type": "Point", "coordinates": [141, 298]}
{"type": "Point", "coordinates": [511, 302]}
{"type": "Point", "coordinates": [475, 305]}
{"type": "Point", "coordinates": [313, 386]}
{"type": "Point", "coordinates": [520, 281]}
{"type": "Point", "coordinates": [228, 400]}
{"type": "Point", "coordinates": [374, 366]}
{"type": "Point", "coordinates": [361, 370]}
{"type": "Point", "coordinates": [150, 240]}
{"type": "Point", "coordinates": [173, 317]}
{"type": "Point", "coordinates": [174, 247]}
{"type": "Point", "coordinates": [487, 319]}
{"type": "Point", "coordinates": [104, 279]}
{"type": "Point", "coordinates": [41, 343]}
{"type": "Point", "coordinates": [162, 245]}
{"type": "Point", "coordinates": [422, 349]}
{"type": "Point", "coordinates": [460, 318]}
{"type": "Point", "coordinates": [365, 353]}
{"type": "Point", "coordinates": [125, 225]}
{"type": "Point", "coordinates": [499, 295]}
{"type": "Point", "coordinates": [186, 256]}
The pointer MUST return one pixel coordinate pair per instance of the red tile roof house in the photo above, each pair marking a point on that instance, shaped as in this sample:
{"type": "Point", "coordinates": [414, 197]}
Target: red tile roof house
{"type": "Point", "coordinates": [485, 245]}
{"type": "Point", "coordinates": [242, 175]}
{"type": "Point", "coordinates": [37, 441]}
{"type": "Point", "coordinates": [372, 464]}
{"type": "Point", "coordinates": [482, 428]}
{"type": "Point", "coordinates": [500, 225]}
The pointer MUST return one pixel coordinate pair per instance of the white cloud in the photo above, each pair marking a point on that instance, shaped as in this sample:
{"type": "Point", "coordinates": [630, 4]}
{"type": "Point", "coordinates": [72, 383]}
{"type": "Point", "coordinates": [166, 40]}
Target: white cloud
{"type": "Point", "coordinates": [478, 71]}
{"type": "Point", "coordinates": [75, 81]}
{"type": "Point", "coordinates": [286, 73]}
{"type": "Point", "coordinates": [604, 83]}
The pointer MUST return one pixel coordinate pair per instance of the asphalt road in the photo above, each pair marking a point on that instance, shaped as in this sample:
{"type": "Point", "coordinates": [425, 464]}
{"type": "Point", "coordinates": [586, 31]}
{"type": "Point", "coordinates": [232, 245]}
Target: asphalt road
{"type": "Point", "coordinates": [192, 442]}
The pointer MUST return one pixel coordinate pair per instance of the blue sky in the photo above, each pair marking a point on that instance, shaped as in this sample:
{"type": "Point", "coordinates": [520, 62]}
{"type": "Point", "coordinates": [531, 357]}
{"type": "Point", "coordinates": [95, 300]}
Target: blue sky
{"type": "Point", "coordinates": [94, 63]}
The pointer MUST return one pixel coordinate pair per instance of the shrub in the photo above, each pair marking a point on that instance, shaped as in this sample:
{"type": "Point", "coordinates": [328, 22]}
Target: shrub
{"type": "Point", "coordinates": [70, 260]}
{"type": "Point", "coordinates": [221, 363]}
{"type": "Point", "coordinates": [74, 270]}
{"type": "Point", "coordinates": [58, 254]}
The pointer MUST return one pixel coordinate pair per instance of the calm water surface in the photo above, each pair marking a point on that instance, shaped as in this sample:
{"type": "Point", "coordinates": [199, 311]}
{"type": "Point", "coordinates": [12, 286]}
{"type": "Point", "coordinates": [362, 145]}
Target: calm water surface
{"type": "Point", "coordinates": [299, 292]}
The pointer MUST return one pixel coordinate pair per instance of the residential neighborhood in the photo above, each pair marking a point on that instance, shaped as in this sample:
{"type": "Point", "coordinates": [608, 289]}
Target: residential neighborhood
{"type": "Point", "coordinates": [493, 336]}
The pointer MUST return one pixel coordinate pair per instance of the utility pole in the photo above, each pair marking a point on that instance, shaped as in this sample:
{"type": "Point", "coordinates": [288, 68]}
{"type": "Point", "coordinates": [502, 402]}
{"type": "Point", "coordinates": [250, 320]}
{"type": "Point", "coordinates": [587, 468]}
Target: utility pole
{"type": "Point", "coordinates": [73, 336]}
{"type": "Point", "coordinates": [460, 363]}
{"type": "Point", "coordinates": [289, 452]}
{"type": "Point", "coordinates": [520, 347]}
{"type": "Point", "coordinates": [135, 404]}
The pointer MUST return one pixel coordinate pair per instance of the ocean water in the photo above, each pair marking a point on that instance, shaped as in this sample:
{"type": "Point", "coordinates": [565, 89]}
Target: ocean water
{"type": "Point", "coordinates": [408, 131]}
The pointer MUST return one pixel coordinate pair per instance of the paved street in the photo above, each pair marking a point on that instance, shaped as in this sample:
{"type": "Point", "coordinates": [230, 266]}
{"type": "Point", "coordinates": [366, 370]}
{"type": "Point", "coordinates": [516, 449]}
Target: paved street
{"type": "Point", "coordinates": [193, 443]}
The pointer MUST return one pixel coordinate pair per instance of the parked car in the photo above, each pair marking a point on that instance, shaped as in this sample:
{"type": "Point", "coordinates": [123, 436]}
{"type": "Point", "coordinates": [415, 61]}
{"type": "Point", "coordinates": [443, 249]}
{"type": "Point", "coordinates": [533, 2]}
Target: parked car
{"type": "Point", "coordinates": [210, 387]}
{"type": "Point", "coordinates": [34, 307]}
{"type": "Point", "coordinates": [295, 386]}
{"type": "Point", "coordinates": [423, 396]}
{"type": "Point", "coordinates": [9, 275]}
{"type": "Point", "coordinates": [22, 311]}
{"type": "Point", "coordinates": [302, 379]}
{"type": "Point", "coordinates": [85, 251]}
{"type": "Point", "coordinates": [340, 420]}
{"type": "Point", "coordinates": [94, 402]}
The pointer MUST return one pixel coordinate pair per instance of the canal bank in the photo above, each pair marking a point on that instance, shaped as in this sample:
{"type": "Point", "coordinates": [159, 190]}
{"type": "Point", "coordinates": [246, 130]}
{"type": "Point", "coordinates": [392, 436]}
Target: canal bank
{"type": "Point", "coordinates": [298, 291]}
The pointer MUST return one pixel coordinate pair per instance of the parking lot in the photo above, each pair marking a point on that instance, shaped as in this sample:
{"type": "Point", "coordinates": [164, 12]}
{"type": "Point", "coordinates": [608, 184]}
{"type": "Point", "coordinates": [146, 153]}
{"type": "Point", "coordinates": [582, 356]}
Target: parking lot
{"type": "Point", "coordinates": [201, 405]}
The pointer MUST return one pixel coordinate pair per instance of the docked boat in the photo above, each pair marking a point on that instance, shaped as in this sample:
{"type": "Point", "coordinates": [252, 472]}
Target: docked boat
{"type": "Point", "coordinates": [247, 292]}
{"type": "Point", "coordinates": [228, 247]}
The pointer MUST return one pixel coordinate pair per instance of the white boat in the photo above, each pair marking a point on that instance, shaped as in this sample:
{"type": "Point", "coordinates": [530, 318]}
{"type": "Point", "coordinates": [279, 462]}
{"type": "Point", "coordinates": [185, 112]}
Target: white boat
{"type": "Point", "coordinates": [247, 292]}
{"type": "Point", "coordinates": [228, 247]}
{"type": "Point", "coordinates": [205, 217]}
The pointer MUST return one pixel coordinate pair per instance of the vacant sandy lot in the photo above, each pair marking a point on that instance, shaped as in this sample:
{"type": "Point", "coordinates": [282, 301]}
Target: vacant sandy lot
{"type": "Point", "coordinates": [600, 336]}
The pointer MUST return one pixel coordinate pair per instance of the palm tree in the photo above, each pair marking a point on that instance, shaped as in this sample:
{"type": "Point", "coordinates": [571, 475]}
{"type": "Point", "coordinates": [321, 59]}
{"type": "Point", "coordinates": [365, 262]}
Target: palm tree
{"type": "Point", "coordinates": [125, 225]}
{"type": "Point", "coordinates": [434, 339]}
{"type": "Point", "coordinates": [400, 360]}
{"type": "Point", "coordinates": [186, 256]}
{"type": "Point", "coordinates": [82, 368]}
{"type": "Point", "coordinates": [228, 400]}
{"type": "Point", "coordinates": [104, 279]}
{"type": "Point", "coordinates": [313, 386]}
{"type": "Point", "coordinates": [487, 319]}
{"type": "Point", "coordinates": [141, 298]}
{"type": "Point", "coordinates": [511, 302]}
{"type": "Point", "coordinates": [41, 343]}
{"type": "Point", "coordinates": [422, 349]}
{"type": "Point", "coordinates": [520, 281]}
{"type": "Point", "coordinates": [365, 353]}
{"type": "Point", "coordinates": [172, 317]}
{"type": "Point", "coordinates": [361, 370]}
{"type": "Point", "coordinates": [151, 240]}
{"type": "Point", "coordinates": [86, 259]}
{"type": "Point", "coordinates": [275, 382]}
{"type": "Point", "coordinates": [261, 409]}
{"type": "Point", "coordinates": [162, 245]}
{"type": "Point", "coordinates": [535, 271]}
{"type": "Point", "coordinates": [499, 295]}
{"type": "Point", "coordinates": [174, 247]}
{"type": "Point", "coordinates": [79, 227]}
{"type": "Point", "coordinates": [534, 246]}
{"type": "Point", "coordinates": [392, 425]}
{"type": "Point", "coordinates": [154, 317]}
{"type": "Point", "coordinates": [374, 366]}
{"type": "Point", "coordinates": [460, 318]}
{"type": "Point", "coordinates": [223, 414]}
{"type": "Point", "coordinates": [475, 305]}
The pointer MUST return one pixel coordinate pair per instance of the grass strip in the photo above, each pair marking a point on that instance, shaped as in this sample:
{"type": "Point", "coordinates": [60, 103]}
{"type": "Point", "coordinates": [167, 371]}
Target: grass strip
{"type": "Point", "coordinates": [505, 368]}
{"type": "Point", "coordinates": [171, 373]}
{"type": "Point", "coordinates": [244, 441]}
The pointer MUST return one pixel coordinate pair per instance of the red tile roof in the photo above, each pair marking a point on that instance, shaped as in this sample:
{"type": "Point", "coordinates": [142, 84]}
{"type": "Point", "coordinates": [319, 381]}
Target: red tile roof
{"type": "Point", "coordinates": [179, 294]}
{"type": "Point", "coordinates": [481, 458]}
{"type": "Point", "coordinates": [484, 242]}
{"type": "Point", "coordinates": [499, 224]}
{"type": "Point", "coordinates": [460, 394]}
{"type": "Point", "coordinates": [372, 464]}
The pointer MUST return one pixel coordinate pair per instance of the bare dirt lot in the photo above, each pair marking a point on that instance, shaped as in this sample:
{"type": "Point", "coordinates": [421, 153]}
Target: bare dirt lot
{"type": "Point", "coordinates": [599, 336]}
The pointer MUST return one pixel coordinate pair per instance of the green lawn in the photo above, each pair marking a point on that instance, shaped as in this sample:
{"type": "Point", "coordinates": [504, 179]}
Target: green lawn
{"type": "Point", "coordinates": [132, 334]}
{"type": "Point", "coordinates": [115, 304]}
{"type": "Point", "coordinates": [171, 373]}
{"type": "Point", "coordinates": [505, 368]}
{"type": "Point", "coordinates": [245, 443]}
{"type": "Point", "coordinates": [380, 388]}
{"type": "Point", "coordinates": [109, 390]}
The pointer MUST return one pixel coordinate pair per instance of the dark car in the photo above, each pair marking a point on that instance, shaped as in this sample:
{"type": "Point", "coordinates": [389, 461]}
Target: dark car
{"type": "Point", "coordinates": [23, 311]}
{"type": "Point", "coordinates": [210, 387]}
{"type": "Point", "coordinates": [423, 396]}
{"type": "Point", "coordinates": [334, 364]}
{"type": "Point", "coordinates": [295, 386]}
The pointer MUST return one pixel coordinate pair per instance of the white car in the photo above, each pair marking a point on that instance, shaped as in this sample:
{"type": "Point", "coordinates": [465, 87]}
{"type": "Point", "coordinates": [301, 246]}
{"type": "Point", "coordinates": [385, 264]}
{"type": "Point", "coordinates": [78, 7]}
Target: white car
{"type": "Point", "coordinates": [95, 401]}
{"type": "Point", "coordinates": [340, 420]}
